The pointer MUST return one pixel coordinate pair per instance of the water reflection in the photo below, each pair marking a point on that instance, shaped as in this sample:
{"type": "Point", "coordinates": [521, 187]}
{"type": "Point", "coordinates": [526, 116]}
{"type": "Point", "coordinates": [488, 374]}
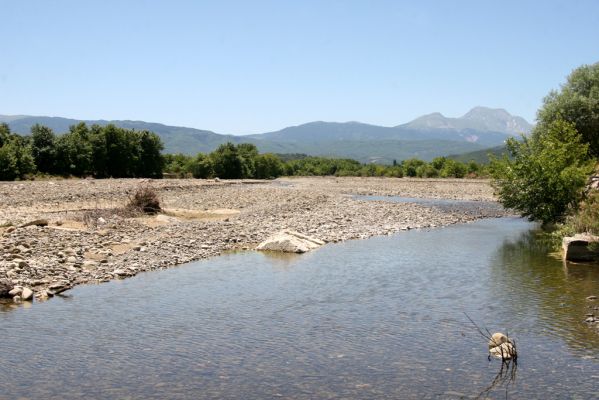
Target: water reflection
{"type": "Point", "coordinates": [372, 319]}
{"type": "Point", "coordinates": [546, 289]}
{"type": "Point", "coordinates": [506, 377]}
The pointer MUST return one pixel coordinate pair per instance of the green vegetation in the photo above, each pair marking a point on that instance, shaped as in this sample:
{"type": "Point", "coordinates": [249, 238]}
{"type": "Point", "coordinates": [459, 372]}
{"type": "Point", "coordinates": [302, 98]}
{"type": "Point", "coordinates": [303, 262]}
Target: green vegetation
{"type": "Point", "coordinates": [545, 178]}
{"type": "Point", "coordinates": [100, 151]}
{"type": "Point", "coordinates": [244, 161]}
{"type": "Point", "coordinates": [110, 151]}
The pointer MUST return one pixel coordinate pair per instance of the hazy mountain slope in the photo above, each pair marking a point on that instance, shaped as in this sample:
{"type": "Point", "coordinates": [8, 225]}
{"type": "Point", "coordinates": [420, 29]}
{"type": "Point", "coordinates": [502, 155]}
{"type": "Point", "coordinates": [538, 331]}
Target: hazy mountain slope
{"type": "Point", "coordinates": [480, 156]}
{"type": "Point", "coordinates": [176, 139]}
{"type": "Point", "coordinates": [426, 137]}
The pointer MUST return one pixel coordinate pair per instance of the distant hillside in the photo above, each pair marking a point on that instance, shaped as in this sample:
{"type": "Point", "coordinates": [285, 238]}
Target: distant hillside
{"type": "Point", "coordinates": [480, 156]}
{"type": "Point", "coordinates": [176, 139]}
{"type": "Point", "coordinates": [426, 137]}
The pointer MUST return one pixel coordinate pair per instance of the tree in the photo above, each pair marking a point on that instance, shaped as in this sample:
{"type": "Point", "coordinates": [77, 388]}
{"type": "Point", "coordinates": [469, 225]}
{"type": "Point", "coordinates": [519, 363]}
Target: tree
{"type": "Point", "coordinates": [43, 148]}
{"type": "Point", "coordinates": [248, 153]}
{"type": "Point", "coordinates": [410, 166]}
{"type": "Point", "coordinates": [16, 160]}
{"type": "Point", "coordinates": [201, 167]}
{"type": "Point", "coordinates": [4, 133]}
{"type": "Point", "coordinates": [546, 174]}
{"type": "Point", "coordinates": [578, 103]}
{"type": "Point", "coordinates": [150, 162]}
{"type": "Point", "coordinates": [226, 162]}
{"type": "Point", "coordinates": [268, 166]}
{"type": "Point", "coordinates": [74, 152]}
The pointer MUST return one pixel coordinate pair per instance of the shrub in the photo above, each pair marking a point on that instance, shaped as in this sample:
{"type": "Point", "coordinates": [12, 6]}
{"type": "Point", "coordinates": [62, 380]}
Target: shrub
{"type": "Point", "coordinates": [145, 200]}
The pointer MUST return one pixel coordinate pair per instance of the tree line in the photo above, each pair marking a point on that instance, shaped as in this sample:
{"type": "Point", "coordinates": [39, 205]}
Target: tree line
{"type": "Point", "coordinates": [110, 151]}
{"type": "Point", "coordinates": [99, 151]}
{"type": "Point", "coordinates": [243, 161]}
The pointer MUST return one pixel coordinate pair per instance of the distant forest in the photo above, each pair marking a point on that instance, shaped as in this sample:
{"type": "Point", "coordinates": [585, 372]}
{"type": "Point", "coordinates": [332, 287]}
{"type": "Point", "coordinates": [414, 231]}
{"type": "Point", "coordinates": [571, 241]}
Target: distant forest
{"type": "Point", "coordinates": [113, 152]}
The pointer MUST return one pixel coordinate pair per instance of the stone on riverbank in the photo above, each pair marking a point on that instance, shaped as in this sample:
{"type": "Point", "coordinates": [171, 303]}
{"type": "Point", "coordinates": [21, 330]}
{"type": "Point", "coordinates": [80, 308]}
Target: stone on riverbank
{"type": "Point", "coordinates": [27, 294]}
{"type": "Point", "coordinates": [580, 247]}
{"type": "Point", "coordinates": [290, 242]}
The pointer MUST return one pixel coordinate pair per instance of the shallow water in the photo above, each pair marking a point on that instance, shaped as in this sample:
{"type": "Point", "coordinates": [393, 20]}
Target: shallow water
{"type": "Point", "coordinates": [377, 318]}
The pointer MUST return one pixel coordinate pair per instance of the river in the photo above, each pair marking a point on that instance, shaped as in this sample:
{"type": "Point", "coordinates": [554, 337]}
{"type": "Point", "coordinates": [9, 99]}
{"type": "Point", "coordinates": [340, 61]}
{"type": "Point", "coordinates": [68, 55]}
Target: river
{"type": "Point", "coordinates": [378, 318]}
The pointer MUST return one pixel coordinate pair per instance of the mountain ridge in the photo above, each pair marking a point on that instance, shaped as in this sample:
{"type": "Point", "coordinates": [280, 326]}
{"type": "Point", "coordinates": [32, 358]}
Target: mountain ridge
{"type": "Point", "coordinates": [426, 137]}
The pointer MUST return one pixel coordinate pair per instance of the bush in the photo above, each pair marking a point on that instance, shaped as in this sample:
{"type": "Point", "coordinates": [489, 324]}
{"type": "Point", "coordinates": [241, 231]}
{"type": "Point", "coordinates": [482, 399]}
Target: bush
{"type": "Point", "coordinates": [547, 173]}
{"type": "Point", "coordinates": [145, 200]}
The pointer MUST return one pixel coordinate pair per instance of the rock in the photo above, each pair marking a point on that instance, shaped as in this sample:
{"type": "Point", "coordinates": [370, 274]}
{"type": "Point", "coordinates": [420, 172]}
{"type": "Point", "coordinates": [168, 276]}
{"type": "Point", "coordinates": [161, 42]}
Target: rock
{"type": "Point", "coordinates": [58, 287]}
{"type": "Point", "coordinates": [16, 299]}
{"type": "Point", "coordinates": [591, 298]}
{"type": "Point", "coordinates": [120, 272]}
{"type": "Point", "coordinates": [36, 222]}
{"type": "Point", "coordinates": [17, 290]}
{"type": "Point", "coordinates": [501, 346]}
{"type": "Point", "coordinates": [27, 294]}
{"type": "Point", "coordinates": [290, 242]}
{"type": "Point", "coordinates": [579, 247]}
{"type": "Point", "coordinates": [504, 351]}
{"type": "Point", "coordinates": [497, 339]}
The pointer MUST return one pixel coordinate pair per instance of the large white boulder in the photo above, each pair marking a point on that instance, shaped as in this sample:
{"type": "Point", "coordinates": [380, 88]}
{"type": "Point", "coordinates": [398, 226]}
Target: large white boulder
{"type": "Point", "coordinates": [290, 242]}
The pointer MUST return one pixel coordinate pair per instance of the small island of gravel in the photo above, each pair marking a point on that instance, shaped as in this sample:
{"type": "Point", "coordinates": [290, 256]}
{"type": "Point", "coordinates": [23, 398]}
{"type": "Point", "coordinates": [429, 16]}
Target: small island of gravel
{"type": "Point", "coordinates": [88, 240]}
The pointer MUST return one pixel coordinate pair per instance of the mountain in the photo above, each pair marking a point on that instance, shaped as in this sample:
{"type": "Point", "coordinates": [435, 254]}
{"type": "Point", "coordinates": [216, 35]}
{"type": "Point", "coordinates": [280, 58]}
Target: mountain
{"type": "Point", "coordinates": [478, 119]}
{"type": "Point", "coordinates": [426, 137]}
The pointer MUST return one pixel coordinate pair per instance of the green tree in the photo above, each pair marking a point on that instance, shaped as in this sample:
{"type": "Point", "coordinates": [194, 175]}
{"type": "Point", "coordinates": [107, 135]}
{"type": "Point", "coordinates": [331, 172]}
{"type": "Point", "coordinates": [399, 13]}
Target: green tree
{"type": "Point", "coordinates": [74, 152]}
{"type": "Point", "coordinates": [453, 169]}
{"type": "Point", "coordinates": [577, 102]}
{"type": "Point", "coordinates": [43, 148]}
{"type": "Point", "coordinates": [268, 166]}
{"type": "Point", "coordinates": [226, 162]}
{"type": "Point", "coordinates": [201, 167]}
{"type": "Point", "coordinates": [16, 160]}
{"type": "Point", "coordinates": [248, 153]}
{"type": "Point", "coordinates": [546, 174]}
{"type": "Point", "coordinates": [4, 133]}
{"type": "Point", "coordinates": [150, 162]}
{"type": "Point", "coordinates": [410, 167]}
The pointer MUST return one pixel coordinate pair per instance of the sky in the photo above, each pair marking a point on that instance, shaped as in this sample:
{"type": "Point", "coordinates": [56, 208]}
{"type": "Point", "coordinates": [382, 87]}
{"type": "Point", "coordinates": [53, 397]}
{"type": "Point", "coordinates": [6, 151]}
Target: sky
{"type": "Point", "coordinates": [255, 66]}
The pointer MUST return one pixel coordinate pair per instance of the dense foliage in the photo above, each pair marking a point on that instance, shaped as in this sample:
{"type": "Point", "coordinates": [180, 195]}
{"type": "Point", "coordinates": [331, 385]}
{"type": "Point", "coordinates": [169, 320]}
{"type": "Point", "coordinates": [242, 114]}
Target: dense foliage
{"type": "Point", "coordinates": [578, 103]}
{"type": "Point", "coordinates": [547, 173]}
{"type": "Point", "coordinates": [545, 177]}
{"type": "Point", "coordinates": [110, 151]}
{"type": "Point", "coordinates": [100, 151]}
{"type": "Point", "coordinates": [244, 161]}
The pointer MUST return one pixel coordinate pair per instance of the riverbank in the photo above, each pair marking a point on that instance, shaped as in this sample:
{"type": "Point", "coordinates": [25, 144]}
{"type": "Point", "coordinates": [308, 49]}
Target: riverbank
{"type": "Point", "coordinates": [87, 239]}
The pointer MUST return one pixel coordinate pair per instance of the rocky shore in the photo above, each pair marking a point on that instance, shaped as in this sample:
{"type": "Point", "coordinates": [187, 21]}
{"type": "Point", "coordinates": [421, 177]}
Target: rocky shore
{"type": "Point", "coordinates": [58, 234]}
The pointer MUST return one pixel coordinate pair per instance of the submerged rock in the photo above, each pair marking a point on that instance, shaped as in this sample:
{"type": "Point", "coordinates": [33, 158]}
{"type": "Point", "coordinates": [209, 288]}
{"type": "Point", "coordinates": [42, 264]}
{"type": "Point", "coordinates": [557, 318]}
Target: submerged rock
{"type": "Point", "coordinates": [290, 242]}
{"type": "Point", "coordinates": [500, 346]}
{"type": "Point", "coordinates": [581, 247]}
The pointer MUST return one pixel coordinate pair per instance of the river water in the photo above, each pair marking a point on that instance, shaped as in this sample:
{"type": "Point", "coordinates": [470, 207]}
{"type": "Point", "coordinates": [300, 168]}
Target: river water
{"type": "Point", "coordinates": [378, 318]}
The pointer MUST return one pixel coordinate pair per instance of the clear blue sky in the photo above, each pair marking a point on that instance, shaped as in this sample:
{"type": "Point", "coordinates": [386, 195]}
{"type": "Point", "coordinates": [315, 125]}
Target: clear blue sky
{"type": "Point", "coordinates": [256, 66]}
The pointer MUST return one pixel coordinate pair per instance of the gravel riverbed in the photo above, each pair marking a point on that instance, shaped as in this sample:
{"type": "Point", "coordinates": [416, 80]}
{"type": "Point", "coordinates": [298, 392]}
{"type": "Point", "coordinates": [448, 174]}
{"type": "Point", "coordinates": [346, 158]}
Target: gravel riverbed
{"type": "Point", "coordinates": [87, 239]}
